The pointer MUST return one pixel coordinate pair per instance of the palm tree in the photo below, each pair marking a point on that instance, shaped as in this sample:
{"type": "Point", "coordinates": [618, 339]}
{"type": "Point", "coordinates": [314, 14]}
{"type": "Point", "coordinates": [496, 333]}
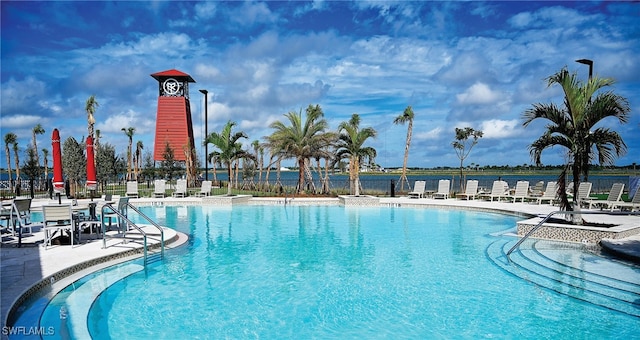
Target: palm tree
{"type": "Point", "coordinates": [258, 149]}
{"type": "Point", "coordinates": [350, 145]}
{"type": "Point", "coordinates": [301, 140]}
{"type": "Point", "coordinates": [406, 116]}
{"type": "Point", "coordinates": [138, 163]}
{"type": "Point", "coordinates": [45, 156]}
{"type": "Point", "coordinates": [96, 141]}
{"type": "Point", "coordinates": [17, 160]}
{"type": "Point", "coordinates": [229, 149]}
{"type": "Point", "coordinates": [574, 125]}
{"type": "Point", "coordinates": [90, 107]}
{"type": "Point", "coordinates": [9, 139]}
{"type": "Point", "coordinates": [130, 131]}
{"type": "Point", "coordinates": [37, 130]}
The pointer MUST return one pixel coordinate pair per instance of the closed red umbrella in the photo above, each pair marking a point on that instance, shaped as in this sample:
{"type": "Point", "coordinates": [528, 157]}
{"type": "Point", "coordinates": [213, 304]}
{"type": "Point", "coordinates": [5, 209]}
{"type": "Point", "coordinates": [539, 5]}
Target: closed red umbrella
{"type": "Point", "coordinates": [91, 167]}
{"type": "Point", "coordinates": [58, 182]}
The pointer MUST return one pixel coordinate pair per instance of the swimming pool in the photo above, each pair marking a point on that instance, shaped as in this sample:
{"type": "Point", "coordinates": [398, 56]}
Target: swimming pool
{"type": "Point", "coordinates": [330, 272]}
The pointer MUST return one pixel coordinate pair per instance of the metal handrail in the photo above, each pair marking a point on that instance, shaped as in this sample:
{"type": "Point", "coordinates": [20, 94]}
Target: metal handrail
{"type": "Point", "coordinates": [579, 212]}
{"type": "Point", "coordinates": [129, 222]}
{"type": "Point", "coordinates": [152, 223]}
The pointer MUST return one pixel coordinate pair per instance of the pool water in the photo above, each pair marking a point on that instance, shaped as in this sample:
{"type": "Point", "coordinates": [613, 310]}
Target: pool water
{"type": "Point", "coordinates": [328, 272]}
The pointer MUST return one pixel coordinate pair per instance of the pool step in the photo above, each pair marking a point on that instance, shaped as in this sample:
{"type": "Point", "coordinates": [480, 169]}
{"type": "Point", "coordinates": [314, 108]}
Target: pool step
{"type": "Point", "coordinates": [79, 302]}
{"type": "Point", "coordinates": [558, 267]}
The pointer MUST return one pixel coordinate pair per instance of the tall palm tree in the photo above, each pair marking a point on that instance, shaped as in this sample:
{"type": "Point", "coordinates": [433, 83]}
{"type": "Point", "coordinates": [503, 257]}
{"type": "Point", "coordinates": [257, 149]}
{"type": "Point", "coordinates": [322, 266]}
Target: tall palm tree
{"type": "Point", "coordinates": [406, 116]}
{"type": "Point", "coordinates": [130, 131]}
{"type": "Point", "coordinates": [45, 156]}
{"type": "Point", "coordinates": [229, 148]}
{"type": "Point", "coordinates": [301, 140]}
{"type": "Point", "coordinates": [351, 145]}
{"type": "Point", "coordinates": [9, 139]}
{"type": "Point", "coordinates": [258, 150]}
{"type": "Point", "coordinates": [96, 140]}
{"type": "Point", "coordinates": [574, 125]}
{"type": "Point", "coordinates": [90, 108]}
{"type": "Point", "coordinates": [16, 149]}
{"type": "Point", "coordinates": [138, 162]}
{"type": "Point", "coordinates": [37, 130]}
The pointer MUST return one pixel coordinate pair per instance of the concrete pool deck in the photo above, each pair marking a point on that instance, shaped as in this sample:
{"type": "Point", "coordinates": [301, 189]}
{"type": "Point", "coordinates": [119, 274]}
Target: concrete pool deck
{"type": "Point", "coordinates": [31, 265]}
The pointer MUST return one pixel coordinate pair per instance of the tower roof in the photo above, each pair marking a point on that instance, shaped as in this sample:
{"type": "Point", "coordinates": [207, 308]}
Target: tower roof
{"type": "Point", "coordinates": [172, 73]}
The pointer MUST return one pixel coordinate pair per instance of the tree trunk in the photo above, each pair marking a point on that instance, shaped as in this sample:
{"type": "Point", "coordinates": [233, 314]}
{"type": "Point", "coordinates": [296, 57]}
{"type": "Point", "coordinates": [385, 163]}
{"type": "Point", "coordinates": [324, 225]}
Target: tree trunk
{"type": "Point", "coordinates": [300, 175]}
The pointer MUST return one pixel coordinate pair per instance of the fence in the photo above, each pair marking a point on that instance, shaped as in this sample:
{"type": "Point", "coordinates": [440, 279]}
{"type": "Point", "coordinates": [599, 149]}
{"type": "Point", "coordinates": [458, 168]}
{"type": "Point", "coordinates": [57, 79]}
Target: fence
{"type": "Point", "coordinates": [338, 185]}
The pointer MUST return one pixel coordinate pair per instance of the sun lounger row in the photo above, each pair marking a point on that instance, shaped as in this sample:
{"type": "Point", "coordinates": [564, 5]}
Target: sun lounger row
{"type": "Point", "coordinates": [160, 188]}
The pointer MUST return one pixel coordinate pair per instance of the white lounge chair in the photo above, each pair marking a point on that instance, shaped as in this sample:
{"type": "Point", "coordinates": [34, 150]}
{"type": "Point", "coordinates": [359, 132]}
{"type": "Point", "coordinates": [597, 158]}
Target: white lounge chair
{"type": "Point", "coordinates": [470, 191]}
{"type": "Point", "coordinates": [633, 205]}
{"type": "Point", "coordinates": [57, 218]}
{"type": "Point", "coordinates": [418, 189]}
{"type": "Point", "coordinates": [181, 188]}
{"type": "Point", "coordinates": [612, 198]}
{"type": "Point", "coordinates": [159, 188]}
{"type": "Point", "coordinates": [549, 194]}
{"type": "Point", "coordinates": [132, 189]}
{"type": "Point", "coordinates": [537, 189]}
{"type": "Point", "coordinates": [521, 192]}
{"type": "Point", "coordinates": [498, 190]}
{"type": "Point", "coordinates": [443, 189]}
{"type": "Point", "coordinates": [205, 189]}
{"type": "Point", "coordinates": [584, 190]}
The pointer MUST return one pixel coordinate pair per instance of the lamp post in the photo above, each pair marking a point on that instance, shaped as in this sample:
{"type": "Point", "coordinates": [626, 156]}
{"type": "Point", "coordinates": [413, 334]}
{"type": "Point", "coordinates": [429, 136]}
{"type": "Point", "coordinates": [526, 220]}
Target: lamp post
{"type": "Point", "coordinates": [587, 62]}
{"type": "Point", "coordinates": [206, 149]}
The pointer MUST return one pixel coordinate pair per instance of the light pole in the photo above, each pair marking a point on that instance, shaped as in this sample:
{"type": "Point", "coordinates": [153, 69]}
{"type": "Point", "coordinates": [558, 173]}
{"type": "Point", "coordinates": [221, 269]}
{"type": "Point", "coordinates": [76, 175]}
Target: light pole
{"type": "Point", "coordinates": [206, 149]}
{"type": "Point", "coordinates": [587, 62]}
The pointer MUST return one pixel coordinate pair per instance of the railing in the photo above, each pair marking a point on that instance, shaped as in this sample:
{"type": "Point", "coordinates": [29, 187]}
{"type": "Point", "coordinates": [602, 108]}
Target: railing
{"type": "Point", "coordinates": [152, 223]}
{"type": "Point", "coordinates": [118, 212]}
{"type": "Point", "coordinates": [560, 212]}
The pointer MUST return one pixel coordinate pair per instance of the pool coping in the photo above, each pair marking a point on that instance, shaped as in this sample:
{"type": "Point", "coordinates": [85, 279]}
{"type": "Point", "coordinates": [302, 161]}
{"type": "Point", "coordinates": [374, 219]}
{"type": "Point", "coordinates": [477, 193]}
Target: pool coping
{"type": "Point", "coordinates": [524, 210]}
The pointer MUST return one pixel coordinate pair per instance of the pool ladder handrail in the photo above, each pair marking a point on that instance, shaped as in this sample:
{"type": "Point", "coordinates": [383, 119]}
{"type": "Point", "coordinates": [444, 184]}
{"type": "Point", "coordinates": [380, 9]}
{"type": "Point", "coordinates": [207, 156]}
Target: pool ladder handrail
{"type": "Point", "coordinates": [120, 213]}
{"type": "Point", "coordinates": [558, 212]}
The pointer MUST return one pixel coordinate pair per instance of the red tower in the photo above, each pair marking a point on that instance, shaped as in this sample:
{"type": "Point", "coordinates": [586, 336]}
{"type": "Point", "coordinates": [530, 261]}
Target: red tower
{"type": "Point", "coordinates": [173, 120]}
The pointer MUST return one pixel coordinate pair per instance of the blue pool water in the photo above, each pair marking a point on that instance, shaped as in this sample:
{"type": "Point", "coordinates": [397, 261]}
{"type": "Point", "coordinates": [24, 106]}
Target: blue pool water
{"type": "Point", "coordinates": [329, 272]}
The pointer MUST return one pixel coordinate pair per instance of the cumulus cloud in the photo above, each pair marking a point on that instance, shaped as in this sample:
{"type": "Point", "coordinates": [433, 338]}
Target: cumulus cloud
{"type": "Point", "coordinates": [497, 128]}
{"type": "Point", "coordinates": [478, 93]}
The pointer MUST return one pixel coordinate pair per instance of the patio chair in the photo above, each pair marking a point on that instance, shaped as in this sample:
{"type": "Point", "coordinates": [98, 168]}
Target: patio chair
{"type": "Point", "coordinates": [57, 218]}
{"type": "Point", "coordinates": [18, 215]}
{"type": "Point", "coordinates": [181, 188]}
{"type": "Point", "coordinates": [584, 190]}
{"type": "Point", "coordinates": [159, 188]}
{"type": "Point", "coordinates": [471, 190]}
{"type": "Point", "coordinates": [418, 189]}
{"type": "Point", "coordinates": [132, 189]}
{"type": "Point", "coordinates": [537, 189]}
{"type": "Point", "coordinates": [549, 194]}
{"type": "Point", "coordinates": [521, 192]}
{"type": "Point", "coordinates": [443, 189]}
{"type": "Point", "coordinates": [498, 190]}
{"type": "Point", "coordinates": [633, 205]}
{"type": "Point", "coordinates": [205, 189]}
{"type": "Point", "coordinates": [612, 198]}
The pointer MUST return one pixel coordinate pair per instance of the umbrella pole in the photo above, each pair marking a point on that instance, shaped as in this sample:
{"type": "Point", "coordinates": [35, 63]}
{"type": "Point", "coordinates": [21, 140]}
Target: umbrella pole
{"type": "Point", "coordinates": [59, 199]}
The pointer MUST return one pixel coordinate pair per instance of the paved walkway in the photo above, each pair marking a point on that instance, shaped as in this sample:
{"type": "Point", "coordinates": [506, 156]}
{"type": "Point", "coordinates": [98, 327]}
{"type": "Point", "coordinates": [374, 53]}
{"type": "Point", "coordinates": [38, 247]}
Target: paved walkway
{"type": "Point", "coordinates": [22, 268]}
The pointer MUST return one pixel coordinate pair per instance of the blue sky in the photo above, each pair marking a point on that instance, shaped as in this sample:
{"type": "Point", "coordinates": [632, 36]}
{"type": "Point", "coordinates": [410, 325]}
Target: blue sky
{"type": "Point", "coordinates": [458, 64]}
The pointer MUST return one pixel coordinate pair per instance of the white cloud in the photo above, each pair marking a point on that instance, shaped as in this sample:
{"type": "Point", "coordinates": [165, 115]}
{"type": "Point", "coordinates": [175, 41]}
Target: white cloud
{"type": "Point", "coordinates": [433, 134]}
{"type": "Point", "coordinates": [20, 94]}
{"type": "Point", "coordinates": [497, 128]}
{"type": "Point", "coordinates": [478, 93]}
{"type": "Point", "coordinates": [205, 10]}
